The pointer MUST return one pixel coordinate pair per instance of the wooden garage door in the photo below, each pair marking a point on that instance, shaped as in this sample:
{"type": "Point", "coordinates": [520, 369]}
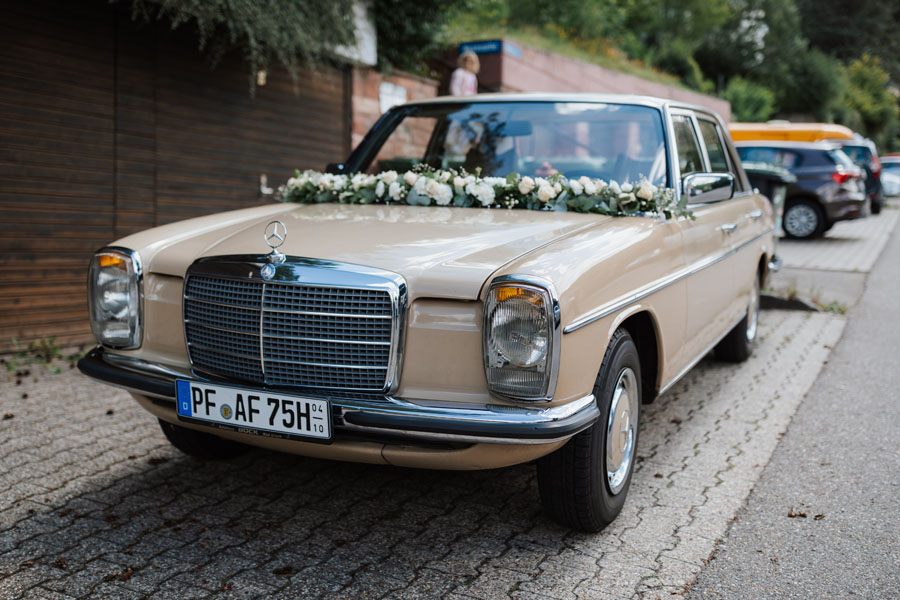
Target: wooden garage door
{"type": "Point", "coordinates": [109, 127]}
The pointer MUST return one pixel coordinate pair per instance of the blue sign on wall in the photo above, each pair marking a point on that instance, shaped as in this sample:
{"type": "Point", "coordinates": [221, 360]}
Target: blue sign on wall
{"type": "Point", "coordinates": [482, 47]}
{"type": "Point", "coordinates": [491, 47]}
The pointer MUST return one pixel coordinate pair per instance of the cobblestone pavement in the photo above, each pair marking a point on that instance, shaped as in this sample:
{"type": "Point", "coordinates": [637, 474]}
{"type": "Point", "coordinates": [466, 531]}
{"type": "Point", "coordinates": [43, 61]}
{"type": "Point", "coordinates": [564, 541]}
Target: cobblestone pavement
{"type": "Point", "coordinates": [95, 504]}
{"type": "Point", "coordinates": [849, 245]}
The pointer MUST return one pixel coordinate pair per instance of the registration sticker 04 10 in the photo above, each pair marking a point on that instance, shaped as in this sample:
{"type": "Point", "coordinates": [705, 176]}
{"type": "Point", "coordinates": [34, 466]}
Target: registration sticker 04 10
{"type": "Point", "coordinates": [261, 412]}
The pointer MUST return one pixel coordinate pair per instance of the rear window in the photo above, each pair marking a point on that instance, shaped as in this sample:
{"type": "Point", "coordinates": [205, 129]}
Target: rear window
{"type": "Point", "coordinates": [840, 158]}
{"type": "Point", "coordinates": [858, 154]}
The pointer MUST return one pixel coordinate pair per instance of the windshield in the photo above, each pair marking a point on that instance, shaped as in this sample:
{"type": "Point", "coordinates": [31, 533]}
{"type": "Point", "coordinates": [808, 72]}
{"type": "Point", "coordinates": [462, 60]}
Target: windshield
{"type": "Point", "coordinates": [606, 141]}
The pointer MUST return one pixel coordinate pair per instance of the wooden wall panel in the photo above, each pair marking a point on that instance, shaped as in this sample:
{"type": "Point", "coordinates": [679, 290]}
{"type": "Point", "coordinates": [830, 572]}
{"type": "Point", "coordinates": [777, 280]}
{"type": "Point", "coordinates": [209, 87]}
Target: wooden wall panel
{"type": "Point", "coordinates": [108, 127]}
{"type": "Point", "coordinates": [56, 165]}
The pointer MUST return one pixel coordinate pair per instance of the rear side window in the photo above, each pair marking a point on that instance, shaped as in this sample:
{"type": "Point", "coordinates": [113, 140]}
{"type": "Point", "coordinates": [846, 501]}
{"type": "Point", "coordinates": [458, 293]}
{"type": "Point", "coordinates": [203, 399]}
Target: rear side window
{"type": "Point", "coordinates": [788, 159]}
{"type": "Point", "coordinates": [718, 163]}
{"type": "Point", "coordinates": [689, 160]}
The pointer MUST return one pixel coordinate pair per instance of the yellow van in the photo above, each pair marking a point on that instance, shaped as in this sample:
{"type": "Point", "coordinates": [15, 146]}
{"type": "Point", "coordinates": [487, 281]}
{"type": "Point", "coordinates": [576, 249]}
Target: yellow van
{"type": "Point", "coordinates": [789, 132]}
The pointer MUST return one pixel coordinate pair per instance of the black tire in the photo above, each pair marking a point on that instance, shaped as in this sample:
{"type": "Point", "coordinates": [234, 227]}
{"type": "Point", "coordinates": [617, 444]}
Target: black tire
{"type": "Point", "coordinates": [876, 203]}
{"type": "Point", "coordinates": [201, 444]}
{"type": "Point", "coordinates": [737, 346]}
{"type": "Point", "coordinates": [574, 481]}
{"type": "Point", "coordinates": [803, 219]}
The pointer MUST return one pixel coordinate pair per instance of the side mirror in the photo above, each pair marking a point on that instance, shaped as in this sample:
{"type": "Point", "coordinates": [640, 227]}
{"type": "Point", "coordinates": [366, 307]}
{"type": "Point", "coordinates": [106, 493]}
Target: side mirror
{"type": "Point", "coordinates": [335, 168]}
{"type": "Point", "coordinates": [699, 188]}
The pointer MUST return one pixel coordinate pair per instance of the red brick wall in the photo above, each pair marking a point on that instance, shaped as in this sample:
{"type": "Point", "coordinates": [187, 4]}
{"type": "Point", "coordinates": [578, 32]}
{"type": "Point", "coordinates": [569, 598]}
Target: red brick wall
{"type": "Point", "coordinates": [540, 71]}
{"type": "Point", "coordinates": [366, 108]}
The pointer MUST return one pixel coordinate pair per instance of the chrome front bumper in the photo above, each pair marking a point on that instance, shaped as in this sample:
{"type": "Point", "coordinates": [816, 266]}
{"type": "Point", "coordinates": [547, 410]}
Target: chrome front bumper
{"type": "Point", "coordinates": [385, 416]}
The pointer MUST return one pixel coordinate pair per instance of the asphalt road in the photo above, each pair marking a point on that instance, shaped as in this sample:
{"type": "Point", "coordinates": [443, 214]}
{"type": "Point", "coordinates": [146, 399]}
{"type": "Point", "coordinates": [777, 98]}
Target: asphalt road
{"type": "Point", "coordinates": [823, 520]}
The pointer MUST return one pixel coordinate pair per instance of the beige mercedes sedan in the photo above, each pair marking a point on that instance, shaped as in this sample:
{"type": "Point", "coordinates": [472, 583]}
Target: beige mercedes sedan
{"type": "Point", "coordinates": [524, 315]}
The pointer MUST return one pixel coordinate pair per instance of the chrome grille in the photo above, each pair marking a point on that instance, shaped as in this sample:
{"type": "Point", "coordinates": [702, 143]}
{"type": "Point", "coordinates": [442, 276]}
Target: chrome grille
{"type": "Point", "coordinates": [284, 334]}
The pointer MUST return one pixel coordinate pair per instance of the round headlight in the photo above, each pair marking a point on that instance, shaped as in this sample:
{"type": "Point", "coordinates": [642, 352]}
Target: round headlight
{"type": "Point", "coordinates": [520, 333]}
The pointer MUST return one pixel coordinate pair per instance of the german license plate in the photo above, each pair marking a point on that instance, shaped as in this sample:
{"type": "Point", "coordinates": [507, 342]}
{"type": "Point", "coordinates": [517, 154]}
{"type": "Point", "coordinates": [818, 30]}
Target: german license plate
{"type": "Point", "coordinates": [264, 413]}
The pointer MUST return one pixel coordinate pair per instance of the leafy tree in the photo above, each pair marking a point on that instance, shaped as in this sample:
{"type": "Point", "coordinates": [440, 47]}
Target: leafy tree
{"type": "Point", "coordinates": [409, 30]}
{"type": "Point", "coordinates": [288, 32]}
{"type": "Point", "coordinates": [867, 94]}
{"type": "Point", "coordinates": [750, 101]}
{"type": "Point", "coordinates": [848, 32]}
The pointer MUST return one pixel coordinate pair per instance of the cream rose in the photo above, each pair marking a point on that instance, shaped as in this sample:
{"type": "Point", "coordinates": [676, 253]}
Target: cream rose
{"type": "Point", "coordinates": [646, 190]}
{"type": "Point", "coordinates": [389, 177]}
{"type": "Point", "coordinates": [576, 187]}
{"type": "Point", "coordinates": [526, 185]}
{"type": "Point", "coordinates": [410, 178]}
{"type": "Point", "coordinates": [546, 193]}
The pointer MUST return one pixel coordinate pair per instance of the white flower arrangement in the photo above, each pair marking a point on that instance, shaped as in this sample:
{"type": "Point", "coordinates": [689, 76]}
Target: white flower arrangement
{"type": "Point", "coordinates": [425, 187]}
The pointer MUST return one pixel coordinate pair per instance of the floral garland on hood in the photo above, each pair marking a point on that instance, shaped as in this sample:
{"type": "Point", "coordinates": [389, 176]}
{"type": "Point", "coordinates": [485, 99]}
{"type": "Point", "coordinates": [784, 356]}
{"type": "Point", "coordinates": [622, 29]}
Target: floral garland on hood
{"type": "Point", "coordinates": [424, 186]}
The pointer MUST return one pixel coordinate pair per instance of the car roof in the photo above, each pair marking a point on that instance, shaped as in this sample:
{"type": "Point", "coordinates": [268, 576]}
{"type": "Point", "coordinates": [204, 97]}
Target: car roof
{"type": "Point", "coordinates": [789, 145]}
{"type": "Point", "coordinates": [652, 101]}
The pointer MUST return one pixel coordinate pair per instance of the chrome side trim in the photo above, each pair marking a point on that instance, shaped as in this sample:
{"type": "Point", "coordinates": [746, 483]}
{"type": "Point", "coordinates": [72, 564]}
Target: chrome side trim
{"type": "Point", "coordinates": [624, 301]}
{"type": "Point", "coordinates": [697, 359]}
{"type": "Point", "coordinates": [541, 285]}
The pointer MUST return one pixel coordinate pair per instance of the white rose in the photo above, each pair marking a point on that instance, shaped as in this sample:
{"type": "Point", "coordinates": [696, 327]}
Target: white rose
{"type": "Point", "coordinates": [627, 187]}
{"type": "Point", "coordinates": [576, 187]}
{"type": "Point", "coordinates": [340, 182]}
{"type": "Point", "coordinates": [481, 192]}
{"type": "Point", "coordinates": [445, 176]}
{"type": "Point", "coordinates": [395, 191]}
{"type": "Point", "coordinates": [410, 178]}
{"type": "Point", "coordinates": [557, 187]}
{"type": "Point", "coordinates": [431, 188]}
{"type": "Point", "coordinates": [626, 199]}
{"type": "Point", "coordinates": [646, 190]}
{"type": "Point", "coordinates": [443, 195]}
{"type": "Point", "coordinates": [389, 177]}
{"type": "Point", "coordinates": [459, 182]}
{"type": "Point", "coordinates": [601, 184]}
{"type": "Point", "coordinates": [589, 188]}
{"type": "Point", "coordinates": [470, 179]}
{"type": "Point", "coordinates": [614, 188]}
{"type": "Point", "coordinates": [379, 189]}
{"type": "Point", "coordinates": [539, 181]}
{"type": "Point", "coordinates": [546, 193]}
{"type": "Point", "coordinates": [293, 182]}
{"type": "Point", "coordinates": [526, 184]}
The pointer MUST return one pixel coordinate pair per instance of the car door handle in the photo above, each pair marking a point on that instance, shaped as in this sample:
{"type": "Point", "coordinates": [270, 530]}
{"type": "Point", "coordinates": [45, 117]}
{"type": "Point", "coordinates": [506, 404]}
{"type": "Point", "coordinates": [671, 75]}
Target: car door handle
{"type": "Point", "coordinates": [756, 214]}
{"type": "Point", "coordinates": [728, 227]}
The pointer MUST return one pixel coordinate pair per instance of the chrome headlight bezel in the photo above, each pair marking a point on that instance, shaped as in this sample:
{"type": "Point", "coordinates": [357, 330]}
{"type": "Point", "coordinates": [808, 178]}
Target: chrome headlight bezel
{"type": "Point", "coordinates": [498, 368]}
{"type": "Point", "coordinates": [122, 266]}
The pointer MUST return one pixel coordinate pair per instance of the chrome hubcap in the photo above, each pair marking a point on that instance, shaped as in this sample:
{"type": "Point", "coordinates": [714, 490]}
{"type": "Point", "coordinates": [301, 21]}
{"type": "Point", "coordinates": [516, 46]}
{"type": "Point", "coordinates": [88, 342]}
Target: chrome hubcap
{"type": "Point", "coordinates": [801, 220]}
{"type": "Point", "coordinates": [753, 311]}
{"type": "Point", "coordinates": [621, 430]}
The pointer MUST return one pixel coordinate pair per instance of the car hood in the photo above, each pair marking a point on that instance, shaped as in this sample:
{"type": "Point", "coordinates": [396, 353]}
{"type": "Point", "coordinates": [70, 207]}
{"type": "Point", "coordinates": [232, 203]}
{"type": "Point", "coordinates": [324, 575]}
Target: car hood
{"type": "Point", "coordinates": [442, 252]}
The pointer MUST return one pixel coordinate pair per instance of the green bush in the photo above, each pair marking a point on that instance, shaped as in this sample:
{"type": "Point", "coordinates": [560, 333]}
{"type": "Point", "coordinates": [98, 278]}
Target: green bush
{"type": "Point", "coordinates": [750, 102]}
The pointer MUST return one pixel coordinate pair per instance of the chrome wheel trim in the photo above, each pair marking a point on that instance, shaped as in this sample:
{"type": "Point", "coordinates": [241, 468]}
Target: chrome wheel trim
{"type": "Point", "coordinates": [753, 311]}
{"type": "Point", "coordinates": [621, 430]}
{"type": "Point", "coordinates": [801, 220]}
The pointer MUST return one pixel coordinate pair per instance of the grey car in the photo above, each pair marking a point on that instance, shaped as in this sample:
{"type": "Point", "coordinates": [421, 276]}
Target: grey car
{"type": "Point", "coordinates": [829, 186]}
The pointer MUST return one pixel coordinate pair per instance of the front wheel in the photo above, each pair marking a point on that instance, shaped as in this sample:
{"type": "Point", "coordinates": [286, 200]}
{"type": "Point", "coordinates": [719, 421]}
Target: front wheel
{"type": "Point", "coordinates": [737, 346]}
{"type": "Point", "coordinates": [584, 484]}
